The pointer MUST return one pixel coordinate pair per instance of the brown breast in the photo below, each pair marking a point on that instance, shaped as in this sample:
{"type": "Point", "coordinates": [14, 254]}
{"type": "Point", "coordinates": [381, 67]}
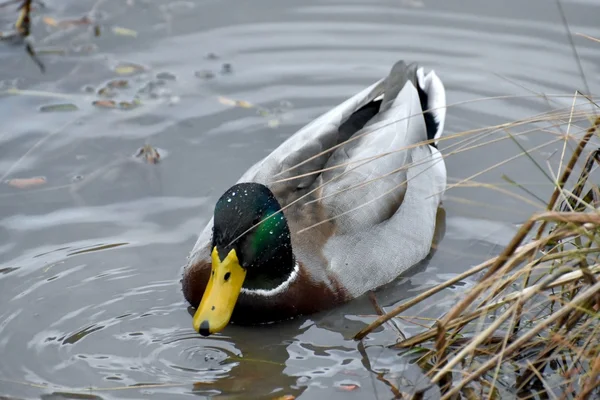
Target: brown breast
{"type": "Point", "coordinates": [304, 296]}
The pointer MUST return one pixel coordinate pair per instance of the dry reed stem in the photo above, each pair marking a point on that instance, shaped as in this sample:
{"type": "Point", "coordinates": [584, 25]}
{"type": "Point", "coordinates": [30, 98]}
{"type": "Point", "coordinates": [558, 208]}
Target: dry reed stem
{"type": "Point", "coordinates": [521, 298]}
{"type": "Point", "coordinates": [565, 310]}
{"type": "Point", "coordinates": [466, 301]}
{"type": "Point", "coordinates": [429, 334]}
{"type": "Point", "coordinates": [592, 382]}
{"type": "Point", "coordinates": [567, 172]}
{"type": "Point", "coordinates": [438, 288]}
{"type": "Point", "coordinates": [428, 293]}
{"type": "Point", "coordinates": [588, 37]}
{"type": "Point", "coordinates": [566, 318]}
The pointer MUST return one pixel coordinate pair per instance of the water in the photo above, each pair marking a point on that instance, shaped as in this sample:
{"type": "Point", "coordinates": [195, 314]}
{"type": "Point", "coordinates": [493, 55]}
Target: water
{"type": "Point", "coordinates": [90, 300]}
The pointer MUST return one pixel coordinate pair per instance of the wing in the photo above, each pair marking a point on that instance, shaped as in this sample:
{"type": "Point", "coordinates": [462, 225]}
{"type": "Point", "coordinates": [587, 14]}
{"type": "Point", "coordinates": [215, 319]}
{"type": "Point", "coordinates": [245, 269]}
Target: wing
{"type": "Point", "coordinates": [386, 207]}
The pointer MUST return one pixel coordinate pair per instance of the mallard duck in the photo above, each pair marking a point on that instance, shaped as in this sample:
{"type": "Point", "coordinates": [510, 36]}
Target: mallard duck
{"type": "Point", "coordinates": [343, 206]}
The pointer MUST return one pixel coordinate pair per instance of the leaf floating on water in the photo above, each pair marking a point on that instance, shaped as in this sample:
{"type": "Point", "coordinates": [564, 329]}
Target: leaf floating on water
{"type": "Point", "coordinates": [243, 104]}
{"type": "Point", "coordinates": [226, 101]}
{"type": "Point", "coordinates": [128, 69]}
{"type": "Point", "coordinates": [117, 30]}
{"type": "Point", "coordinates": [166, 76]}
{"type": "Point", "coordinates": [24, 183]}
{"type": "Point", "coordinates": [148, 154]}
{"type": "Point", "coordinates": [286, 397]}
{"type": "Point", "coordinates": [226, 69]}
{"type": "Point", "coordinates": [126, 105]}
{"type": "Point", "coordinates": [204, 74]}
{"type": "Point", "coordinates": [263, 112]}
{"type": "Point", "coordinates": [105, 103]}
{"type": "Point", "coordinates": [85, 20]}
{"type": "Point", "coordinates": [235, 103]}
{"type": "Point", "coordinates": [59, 107]}
{"type": "Point", "coordinates": [125, 70]}
{"type": "Point", "coordinates": [50, 21]}
{"type": "Point", "coordinates": [67, 23]}
{"type": "Point", "coordinates": [348, 387]}
{"type": "Point", "coordinates": [106, 92]}
{"type": "Point", "coordinates": [118, 84]}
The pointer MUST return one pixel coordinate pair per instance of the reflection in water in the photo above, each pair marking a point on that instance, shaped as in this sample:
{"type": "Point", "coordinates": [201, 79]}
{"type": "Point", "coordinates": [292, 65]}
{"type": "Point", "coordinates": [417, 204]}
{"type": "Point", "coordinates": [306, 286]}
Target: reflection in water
{"type": "Point", "coordinates": [90, 260]}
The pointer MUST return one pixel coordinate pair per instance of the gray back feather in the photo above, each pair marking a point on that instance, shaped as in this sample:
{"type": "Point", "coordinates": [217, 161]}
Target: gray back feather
{"type": "Point", "coordinates": [393, 224]}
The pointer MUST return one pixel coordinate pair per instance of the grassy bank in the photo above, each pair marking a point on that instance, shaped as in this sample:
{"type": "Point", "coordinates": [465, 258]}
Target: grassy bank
{"type": "Point", "coordinates": [530, 326]}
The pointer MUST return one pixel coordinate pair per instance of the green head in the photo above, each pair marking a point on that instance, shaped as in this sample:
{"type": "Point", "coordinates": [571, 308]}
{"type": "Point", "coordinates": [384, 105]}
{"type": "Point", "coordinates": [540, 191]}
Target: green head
{"type": "Point", "coordinates": [251, 249]}
{"type": "Point", "coordinates": [264, 250]}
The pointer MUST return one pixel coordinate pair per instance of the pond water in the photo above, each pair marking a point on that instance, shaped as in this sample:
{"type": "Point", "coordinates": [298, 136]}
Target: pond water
{"type": "Point", "coordinates": [91, 258]}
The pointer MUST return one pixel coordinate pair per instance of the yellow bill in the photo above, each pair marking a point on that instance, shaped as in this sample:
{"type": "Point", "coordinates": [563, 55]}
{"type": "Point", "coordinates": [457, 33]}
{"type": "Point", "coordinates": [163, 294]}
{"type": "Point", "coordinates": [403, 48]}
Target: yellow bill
{"type": "Point", "coordinates": [221, 294]}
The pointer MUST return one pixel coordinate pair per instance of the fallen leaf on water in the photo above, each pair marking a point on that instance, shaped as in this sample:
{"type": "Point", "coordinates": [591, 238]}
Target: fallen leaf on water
{"type": "Point", "coordinates": [348, 387]}
{"type": "Point", "coordinates": [236, 103]}
{"type": "Point", "coordinates": [59, 107]}
{"type": "Point", "coordinates": [50, 21]}
{"type": "Point", "coordinates": [128, 105]}
{"type": "Point", "coordinates": [118, 84]}
{"type": "Point", "coordinates": [226, 68]}
{"type": "Point", "coordinates": [105, 103]}
{"type": "Point", "coordinates": [166, 76]}
{"type": "Point", "coordinates": [263, 112]}
{"type": "Point", "coordinates": [204, 74]}
{"type": "Point", "coordinates": [286, 397]}
{"type": "Point", "coordinates": [125, 70]}
{"type": "Point", "coordinates": [24, 183]}
{"type": "Point", "coordinates": [85, 20]}
{"type": "Point", "coordinates": [243, 104]}
{"type": "Point", "coordinates": [128, 69]}
{"type": "Point", "coordinates": [148, 154]}
{"type": "Point", "coordinates": [117, 30]}
{"type": "Point", "coordinates": [106, 92]}
{"type": "Point", "coordinates": [226, 101]}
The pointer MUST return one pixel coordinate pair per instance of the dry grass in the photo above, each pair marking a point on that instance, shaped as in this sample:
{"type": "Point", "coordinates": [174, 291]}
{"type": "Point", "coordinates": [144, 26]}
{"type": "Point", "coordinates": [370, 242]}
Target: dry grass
{"type": "Point", "coordinates": [530, 326]}
{"type": "Point", "coordinates": [22, 29]}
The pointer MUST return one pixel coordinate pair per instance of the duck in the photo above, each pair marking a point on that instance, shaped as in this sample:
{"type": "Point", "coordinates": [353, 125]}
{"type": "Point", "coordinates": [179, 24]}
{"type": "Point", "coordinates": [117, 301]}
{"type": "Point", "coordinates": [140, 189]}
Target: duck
{"type": "Point", "coordinates": [342, 207]}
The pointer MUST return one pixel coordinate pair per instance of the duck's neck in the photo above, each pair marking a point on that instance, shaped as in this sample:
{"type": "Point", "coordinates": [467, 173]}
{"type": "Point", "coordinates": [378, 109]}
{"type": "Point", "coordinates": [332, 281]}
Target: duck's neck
{"type": "Point", "coordinates": [268, 290]}
{"type": "Point", "coordinates": [270, 274]}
